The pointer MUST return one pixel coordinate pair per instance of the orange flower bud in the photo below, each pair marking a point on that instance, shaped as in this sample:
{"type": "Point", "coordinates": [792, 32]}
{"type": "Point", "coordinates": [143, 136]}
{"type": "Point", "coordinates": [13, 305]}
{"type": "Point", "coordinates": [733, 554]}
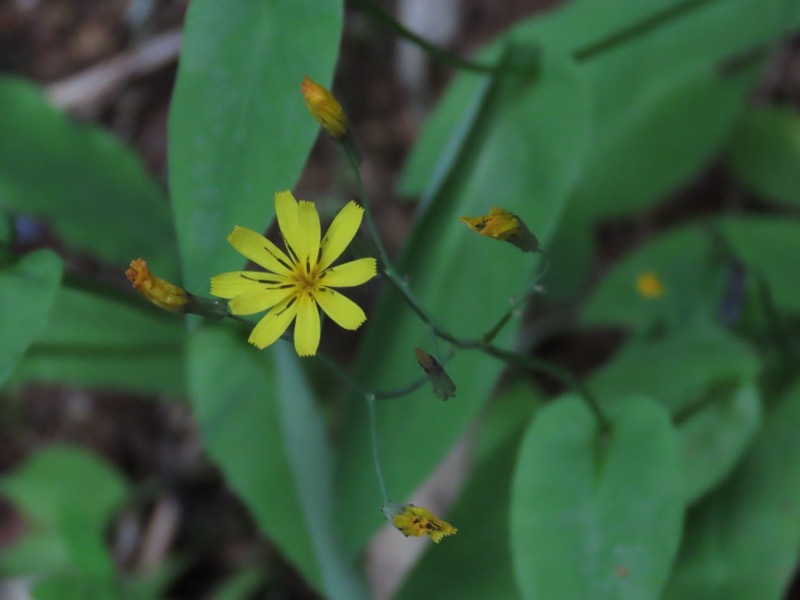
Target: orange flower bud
{"type": "Point", "coordinates": [325, 108]}
{"type": "Point", "coordinates": [502, 225]}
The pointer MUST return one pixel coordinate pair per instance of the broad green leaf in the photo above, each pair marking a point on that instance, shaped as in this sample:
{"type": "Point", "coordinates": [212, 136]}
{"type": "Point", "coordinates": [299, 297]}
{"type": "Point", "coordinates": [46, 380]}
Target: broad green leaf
{"type": "Point", "coordinates": [593, 515]}
{"type": "Point", "coordinates": [765, 153]}
{"type": "Point", "coordinates": [240, 585]}
{"type": "Point", "coordinates": [72, 587]}
{"type": "Point", "coordinates": [51, 491]}
{"type": "Point", "coordinates": [27, 291]}
{"type": "Point", "coordinates": [260, 426]}
{"type": "Point", "coordinates": [703, 377]}
{"type": "Point", "coordinates": [678, 369]}
{"type": "Point", "coordinates": [527, 165]}
{"type": "Point", "coordinates": [90, 188]}
{"type": "Point", "coordinates": [239, 128]}
{"type": "Point", "coordinates": [102, 342]}
{"type": "Point", "coordinates": [715, 438]}
{"type": "Point", "coordinates": [741, 543]}
{"type": "Point", "coordinates": [691, 265]}
{"type": "Point", "coordinates": [481, 514]}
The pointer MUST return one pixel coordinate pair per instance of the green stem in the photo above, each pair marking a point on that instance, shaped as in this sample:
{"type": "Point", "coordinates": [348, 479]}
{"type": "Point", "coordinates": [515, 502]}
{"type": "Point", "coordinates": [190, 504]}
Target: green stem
{"type": "Point", "coordinates": [373, 425]}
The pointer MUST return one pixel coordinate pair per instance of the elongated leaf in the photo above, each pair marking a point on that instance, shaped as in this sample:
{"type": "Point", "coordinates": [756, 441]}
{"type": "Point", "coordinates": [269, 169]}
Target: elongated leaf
{"type": "Point", "coordinates": [51, 490]}
{"type": "Point", "coordinates": [82, 181]}
{"type": "Point", "coordinates": [481, 514]}
{"type": "Point", "coordinates": [765, 153]}
{"type": "Point", "coordinates": [239, 129]}
{"type": "Point", "coordinates": [742, 542]}
{"type": "Point", "coordinates": [527, 165]}
{"type": "Point", "coordinates": [260, 426]}
{"type": "Point", "coordinates": [27, 292]}
{"type": "Point", "coordinates": [100, 342]}
{"type": "Point", "coordinates": [594, 516]}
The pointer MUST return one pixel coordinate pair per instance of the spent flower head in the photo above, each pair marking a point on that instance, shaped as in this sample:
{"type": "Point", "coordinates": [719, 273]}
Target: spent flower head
{"type": "Point", "coordinates": [505, 226]}
{"type": "Point", "coordinates": [299, 281]}
{"type": "Point", "coordinates": [160, 292]}
{"type": "Point", "coordinates": [417, 521]}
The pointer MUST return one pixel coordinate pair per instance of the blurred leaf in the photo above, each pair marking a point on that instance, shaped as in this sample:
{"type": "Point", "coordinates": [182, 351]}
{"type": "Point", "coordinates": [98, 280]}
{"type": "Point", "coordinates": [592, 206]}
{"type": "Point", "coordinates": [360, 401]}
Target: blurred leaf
{"type": "Point", "coordinates": [716, 437]}
{"type": "Point", "coordinates": [770, 246]}
{"type": "Point", "coordinates": [593, 515]}
{"type": "Point", "coordinates": [260, 426]}
{"type": "Point", "coordinates": [765, 153]}
{"type": "Point", "coordinates": [90, 188]}
{"type": "Point", "coordinates": [481, 514]}
{"type": "Point", "coordinates": [239, 128]}
{"type": "Point", "coordinates": [27, 291]}
{"type": "Point", "coordinates": [71, 587]}
{"type": "Point", "coordinates": [527, 165]}
{"type": "Point", "coordinates": [100, 342]}
{"type": "Point", "coordinates": [51, 490]}
{"type": "Point", "coordinates": [741, 543]}
{"type": "Point", "coordinates": [692, 268]}
{"type": "Point", "coordinates": [643, 53]}
{"type": "Point", "coordinates": [678, 369]}
{"type": "Point", "coordinates": [239, 585]}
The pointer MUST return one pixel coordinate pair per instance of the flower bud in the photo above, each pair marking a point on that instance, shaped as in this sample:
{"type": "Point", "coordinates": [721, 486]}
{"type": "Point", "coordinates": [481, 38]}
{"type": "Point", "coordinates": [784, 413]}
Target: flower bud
{"type": "Point", "coordinates": [505, 226]}
{"type": "Point", "coordinates": [417, 521]}
{"type": "Point", "coordinates": [325, 109]}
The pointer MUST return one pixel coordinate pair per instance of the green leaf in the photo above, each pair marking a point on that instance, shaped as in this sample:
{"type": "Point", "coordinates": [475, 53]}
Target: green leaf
{"type": "Point", "coordinates": [27, 291]}
{"type": "Point", "coordinates": [769, 246]}
{"type": "Point", "coordinates": [715, 438]}
{"type": "Point", "coordinates": [693, 270]}
{"type": "Point", "coordinates": [90, 188]}
{"type": "Point", "coordinates": [100, 342]}
{"type": "Point", "coordinates": [741, 543]}
{"type": "Point", "coordinates": [239, 128]}
{"type": "Point", "coordinates": [765, 153]}
{"type": "Point", "coordinates": [593, 515]}
{"type": "Point", "coordinates": [526, 164]}
{"type": "Point", "coordinates": [260, 426]}
{"type": "Point", "coordinates": [51, 490]}
{"type": "Point", "coordinates": [678, 369]}
{"type": "Point", "coordinates": [481, 514]}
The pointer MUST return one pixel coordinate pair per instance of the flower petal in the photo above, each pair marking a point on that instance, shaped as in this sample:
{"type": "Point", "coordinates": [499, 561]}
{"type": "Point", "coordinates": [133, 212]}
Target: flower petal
{"type": "Point", "coordinates": [286, 211]}
{"type": "Point", "coordinates": [274, 323]}
{"type": "Point", "coordinates": [259, 300]}
{"type": "Point", "coordinates": [307, 327]}
{"type": "Point", "coordinates": [260, 250]}
{"type": "Point", "coordinates": [230, 285]}
{"type": "Point", "coordinates": [307, 247]}
{"type": "Point", "coordinates": [341, 232]}
{"type": "Point", "coordinates": [342, 311]}
{"type": "Point", "coordinates": [350, 274]}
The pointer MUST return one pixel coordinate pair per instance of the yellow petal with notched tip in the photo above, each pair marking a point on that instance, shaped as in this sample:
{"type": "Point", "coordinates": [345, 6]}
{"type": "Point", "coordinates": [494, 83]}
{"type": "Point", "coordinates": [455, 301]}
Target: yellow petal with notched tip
{"type": "Point", "coordinates": [258, 300]}
{"type": "Point", "coordinates": [307, 326]}
{"type": "Point", "coordinates": [341, 232]}
{"type": "Point", "coordinates": [350, 274]}
{"type": "Point", "coordinates": [274, 323]}
{"type": "Point", "coordinates": [342, 311]}
{"type": "Point", "coordinates": [260, 250]}
{"type": "Point", "coordinates": [230, 285]}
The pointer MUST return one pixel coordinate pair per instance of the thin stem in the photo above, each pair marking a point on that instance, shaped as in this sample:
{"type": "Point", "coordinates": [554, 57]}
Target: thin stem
{"type": "Point", "coordinates": [373, 425]}
{"type": "Point", "coordinates": [437, 52]}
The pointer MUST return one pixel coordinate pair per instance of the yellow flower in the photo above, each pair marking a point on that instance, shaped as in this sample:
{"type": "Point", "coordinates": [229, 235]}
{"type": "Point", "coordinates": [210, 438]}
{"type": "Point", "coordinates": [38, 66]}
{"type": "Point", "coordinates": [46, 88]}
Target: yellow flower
{"type": "Point", "coordinates": [417, 521]}
{"type": "Point", "coordinates": [505, 226]}
{"type": "Point", "coordinates": [158, 291]}
{"type": "Point", "coordinates": [300, 280]}
{"type": "Point", "coordinates": [649, 286]}
{"type": "Point", "coordinates": [324, 108]}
